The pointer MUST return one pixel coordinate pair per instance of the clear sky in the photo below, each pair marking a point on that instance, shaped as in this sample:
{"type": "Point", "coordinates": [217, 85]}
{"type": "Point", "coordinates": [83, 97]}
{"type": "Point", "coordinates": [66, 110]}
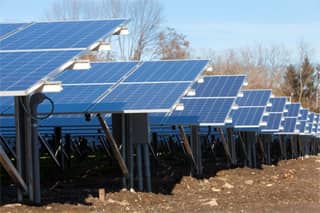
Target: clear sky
{"type": "Point", "coordinates": [218, 24]}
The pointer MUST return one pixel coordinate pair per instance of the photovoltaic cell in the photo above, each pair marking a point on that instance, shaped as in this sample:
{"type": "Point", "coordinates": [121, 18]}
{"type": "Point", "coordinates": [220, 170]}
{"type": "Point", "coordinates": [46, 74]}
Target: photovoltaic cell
{"type": "Point", "coordinates": [159, 71]}
{"type": "Point", "coordinates": [21, 70]}
{"type": "Point", "coordinates": [254, 98]}
{"type": "Point", "coordinates": [142, 97]}
{"type": "Point", "coordinates": [7, 28]}
{"type": "Point", "coordinates": [207, 111]}
{"type": "Point", "coordinates": [278, 104]}
{"type": "Point", "coordinates": [108, 72]}
{"type": "Point", "coordinates": [60, 35]}
{"type": "Point", "coordinates": [220, 86]}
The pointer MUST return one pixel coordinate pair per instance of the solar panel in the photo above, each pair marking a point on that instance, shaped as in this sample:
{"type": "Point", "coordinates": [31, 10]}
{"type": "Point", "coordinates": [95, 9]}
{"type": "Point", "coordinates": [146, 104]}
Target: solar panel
{"type": "Point", "coordinates": [145, 97]}
{"type": "Point", "coordinates": [293, 110]}
{"type": "Point", "coordinates": [220, 86]}
{"type": "Point", "coordinates": [206, 111]}
{"type": "Point", "coordinates": [5, 102]}
{"type": "Point", "coordinates": [303, 114]}
{"type": "Point", "coordinates": [247, 117]}
{"type": "Point", "coordinates": [254, 98]}
{"type": "Point", "coordinates": [68, 121]}
{"type": "Point", "coordinates": [156, 71]}
{"type": "Point", "coordinates": [7, 122]}
{"type": "Point", "coordinates": [60, 35]}
{"type": "Point", "coordinates": [302, 126]}
{"type": "Point", "coordinates": [74, 99]}
{"type": "Point", "coordinates": [20, 70]}
{"type": "Point", "coordinates": [273, 121]}
{"type": "Point", "coordinates": [278, 104]}
{"type": "Point", "coordinates": [208, 106]}
{"type": "Point", "coordinates": [107, 72]}
{"type": "Point", "coordinates": [7, 28]}
{"type": "Point", "coordinates": [289, 125]}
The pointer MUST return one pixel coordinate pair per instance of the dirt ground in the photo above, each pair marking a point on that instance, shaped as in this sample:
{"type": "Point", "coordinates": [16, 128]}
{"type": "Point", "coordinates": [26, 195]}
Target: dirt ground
{"type": "Point", "coordinates": [291, 186]}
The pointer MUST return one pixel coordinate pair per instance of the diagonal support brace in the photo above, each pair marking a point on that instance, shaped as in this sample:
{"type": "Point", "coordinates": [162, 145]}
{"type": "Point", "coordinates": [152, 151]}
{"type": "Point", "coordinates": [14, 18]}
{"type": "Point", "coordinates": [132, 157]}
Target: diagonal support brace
{"type": "Point", "coordinates": [113, 145]}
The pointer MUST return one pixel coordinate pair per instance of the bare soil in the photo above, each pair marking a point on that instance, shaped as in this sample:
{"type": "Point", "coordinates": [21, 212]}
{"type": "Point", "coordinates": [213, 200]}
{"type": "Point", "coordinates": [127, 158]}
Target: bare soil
{"type": "Point", "coordinates": [290, 186]}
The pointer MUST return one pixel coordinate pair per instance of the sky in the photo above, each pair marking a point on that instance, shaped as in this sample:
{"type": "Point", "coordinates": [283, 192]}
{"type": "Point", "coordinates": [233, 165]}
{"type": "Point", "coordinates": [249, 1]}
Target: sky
{"type": "Point", "coordinates": [216, 24]}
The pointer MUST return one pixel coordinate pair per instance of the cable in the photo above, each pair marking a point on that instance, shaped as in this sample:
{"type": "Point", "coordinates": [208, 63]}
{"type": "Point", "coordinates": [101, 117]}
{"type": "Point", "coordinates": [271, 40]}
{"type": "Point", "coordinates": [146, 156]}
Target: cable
{"type": "Point", "coordinates": [39, 117]}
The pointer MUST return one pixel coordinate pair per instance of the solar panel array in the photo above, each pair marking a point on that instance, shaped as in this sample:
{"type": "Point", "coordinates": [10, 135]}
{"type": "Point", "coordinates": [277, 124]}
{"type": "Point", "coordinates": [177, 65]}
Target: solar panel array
{"type": "Point", "coordinates": [20, 70]}
{"type": "Point", "coordinates": [302, 120]}
{"type": "Point", "coordinates": [60, 35]}
{"type": "Point", "coordinates": [290, 118]}
{"type": "Point", "coordinates": [252, 106]}
{"type": "Point", "coordinates": [156, 90]}
{"type": "Point", "coordinates": [210, 106]}
{"type": "Point", "coordinates": [275, 112]}
{"type": "Point", "coordinates": [31, 54]}
{"type": "Point", "coordinates": [107, 87]}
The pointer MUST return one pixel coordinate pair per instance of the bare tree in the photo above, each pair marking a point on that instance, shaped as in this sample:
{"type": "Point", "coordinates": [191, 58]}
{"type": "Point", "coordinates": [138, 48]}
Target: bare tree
{"type": "Point", "coordinates": [172, 45]}
{"type": "Point", "coordinates": [264, 65]}
{"type": "Point", "coordinates": [144, 26]}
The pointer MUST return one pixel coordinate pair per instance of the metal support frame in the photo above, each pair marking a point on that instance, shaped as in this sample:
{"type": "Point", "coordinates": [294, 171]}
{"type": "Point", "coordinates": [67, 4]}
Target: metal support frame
{"type": "Point", "coordinates": [58, 142]}
{"type": "Point", "coordinates": [8, 147]}
{"type": "Point", "coordinates": [186, 145]}
{"type": "Point", "coordinates": [232, 146]}
{"type": "Point", "coordinates": [139, 167]}
{"type": "Point", "coordinates": [23, 141]}
{"type": "Point", "coordinates": [262, 147]}
{"type": "Point", "coordinates": [113, 145]}
{"type": "Point", "coordinates": [12, 171]}
{"type": "Point", "coordinates": [266, 140]}
{"type": "Point", "coordinates": [35, 100]}
{"type": "Point", "coordinates": [104, 145]}
{"type": "Point", "coordinates": [48, 148]}
{"type": "Point", "coordinates": [196, 151]}
{"type": "Point", "coordinates": [251, 148]}
{"type": "Point", "coordinates": [244, 150]}
{"type": "Point", "coordinates": [225, 145]}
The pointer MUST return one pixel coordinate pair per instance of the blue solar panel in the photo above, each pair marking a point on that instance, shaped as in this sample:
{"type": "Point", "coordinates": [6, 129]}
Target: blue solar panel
{"type": "Point", "coordinates": [247, 116]}
{"type": "Point", "coordinates": [278, 104]}
{"type": "Point", "coordinates": [107, 72]}
{"type": "Point", "coordinates": [74, 99]}
{"type": "Point", "coordinates": [302, 126]}
{"type": "Point", "coordinates": [273, 121]}
{"type": "Point", "coordinates": [289, 125]}
{"type": "Point", "coordinates": [126, 97]}
{"type": "Point", "coordinates": [155, 71]}
{"type": "Point", "coordinates": [156, 118]}
{"type": "Point", "coordinates": [293, 110]}
{"type": "Point", "coordinates": [7, 122]}
{"type": "Point", "coordinates": [21, 70]}
{"type": "Point", "coordinates": [68, 121]}
{"type": "Point", "coordinates": [254, 98]}
{"type": "Point", "coordinates": [6, 29]}
{"type": "Point", "coordinates": [303, 114]}
{"type": "Point", "coordinates": [311, 117]}
{"type": "Point", "coordinates": [53, 35]}
{"type": "Point", "coordinates": [207, 111]}
{"type": "Point", "coordinates": [5, 103]}
{"type": "Point", "coordinates": [220, 86]}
